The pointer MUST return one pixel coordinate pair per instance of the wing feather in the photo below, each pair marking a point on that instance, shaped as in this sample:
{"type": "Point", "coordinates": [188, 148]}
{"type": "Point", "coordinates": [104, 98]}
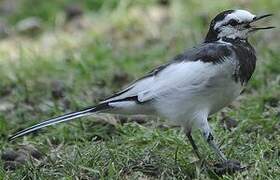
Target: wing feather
{"type": "Point", "coordinates": [184, 71]}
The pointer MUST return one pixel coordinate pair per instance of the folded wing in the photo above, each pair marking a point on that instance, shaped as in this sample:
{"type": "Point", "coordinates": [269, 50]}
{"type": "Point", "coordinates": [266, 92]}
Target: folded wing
{"type": "Point", "coordinates": [184, 71]}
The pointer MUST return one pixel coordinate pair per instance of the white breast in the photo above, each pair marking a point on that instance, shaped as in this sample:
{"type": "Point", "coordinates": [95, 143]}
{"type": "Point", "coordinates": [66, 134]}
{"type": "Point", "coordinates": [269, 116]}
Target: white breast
{"type": "Point", "coordinates": [200, 87]}
{"type": "Point", "coordinates": [182, 91]}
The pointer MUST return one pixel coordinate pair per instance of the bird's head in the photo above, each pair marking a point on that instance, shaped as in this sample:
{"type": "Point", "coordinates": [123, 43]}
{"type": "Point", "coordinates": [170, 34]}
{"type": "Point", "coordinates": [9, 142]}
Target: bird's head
{"type": "Point", "coordinates": [234, 24]}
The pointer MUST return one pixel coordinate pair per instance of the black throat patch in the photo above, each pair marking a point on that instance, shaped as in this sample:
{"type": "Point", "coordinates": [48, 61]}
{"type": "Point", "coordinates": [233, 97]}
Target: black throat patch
{"type": "Point", "coordinates": [246, 56]}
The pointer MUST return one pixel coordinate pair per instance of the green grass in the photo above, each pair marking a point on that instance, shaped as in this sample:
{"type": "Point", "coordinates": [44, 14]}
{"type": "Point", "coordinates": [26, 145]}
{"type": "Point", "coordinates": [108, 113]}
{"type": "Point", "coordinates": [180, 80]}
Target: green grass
{"type": "Point", "coordinates": [67, 68]}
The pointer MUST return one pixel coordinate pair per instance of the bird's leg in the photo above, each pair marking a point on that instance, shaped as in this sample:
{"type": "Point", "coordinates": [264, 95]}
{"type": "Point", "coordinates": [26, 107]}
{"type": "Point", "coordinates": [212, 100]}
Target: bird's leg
{"type": "Point", "coordinates": [203, 125]}
{"type": "Point", "coordinates": [226, 166]}
{"type": "Point", "coordinates": [210, 140]}
{"type": "Point", "coordinates": [189, 135]}
{"type": "Point", "coordinates": [196, 151]}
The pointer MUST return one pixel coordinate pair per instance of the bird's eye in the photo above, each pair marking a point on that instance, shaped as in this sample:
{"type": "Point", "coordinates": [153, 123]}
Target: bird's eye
{"type": "Point", "coordinates": [233, 22]}
{"type": "Point", "coordinates": [247, 26]}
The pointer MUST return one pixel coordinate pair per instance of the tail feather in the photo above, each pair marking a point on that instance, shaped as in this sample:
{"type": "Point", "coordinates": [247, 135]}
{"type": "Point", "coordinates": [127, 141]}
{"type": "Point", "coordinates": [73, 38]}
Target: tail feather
{"type": "Point", "coordinates": [59, 119]}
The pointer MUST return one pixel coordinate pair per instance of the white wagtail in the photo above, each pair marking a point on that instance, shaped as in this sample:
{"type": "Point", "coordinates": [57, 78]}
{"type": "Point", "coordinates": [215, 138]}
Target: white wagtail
{"type": "Point", "coordinates": [193, 85]}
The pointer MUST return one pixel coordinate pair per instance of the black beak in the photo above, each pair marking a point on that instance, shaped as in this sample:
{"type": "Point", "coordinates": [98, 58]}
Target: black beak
{"type": "Point", "coordinates": [253, 28]}
{"type": "Point", "coordinates": [261, 17]}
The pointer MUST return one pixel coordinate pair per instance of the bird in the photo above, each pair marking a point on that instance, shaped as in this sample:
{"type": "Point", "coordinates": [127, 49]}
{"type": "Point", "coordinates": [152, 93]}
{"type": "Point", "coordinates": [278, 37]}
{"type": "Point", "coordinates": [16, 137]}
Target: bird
{"type": "Point", "coordinates": [191, 86]}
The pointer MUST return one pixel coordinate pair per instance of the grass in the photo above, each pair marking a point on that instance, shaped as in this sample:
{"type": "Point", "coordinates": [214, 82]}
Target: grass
{"type": "Point", "coordinates": [68, 67]}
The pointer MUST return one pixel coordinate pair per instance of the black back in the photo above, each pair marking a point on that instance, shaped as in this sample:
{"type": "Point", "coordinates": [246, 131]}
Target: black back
{"type": "Point", "coordinates": [216, 53]}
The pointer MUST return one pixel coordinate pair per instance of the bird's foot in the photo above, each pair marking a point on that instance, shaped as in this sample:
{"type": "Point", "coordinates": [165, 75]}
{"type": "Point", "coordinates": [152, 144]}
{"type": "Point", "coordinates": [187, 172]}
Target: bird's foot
{"type": "Point", "coordinates": [228, 167]}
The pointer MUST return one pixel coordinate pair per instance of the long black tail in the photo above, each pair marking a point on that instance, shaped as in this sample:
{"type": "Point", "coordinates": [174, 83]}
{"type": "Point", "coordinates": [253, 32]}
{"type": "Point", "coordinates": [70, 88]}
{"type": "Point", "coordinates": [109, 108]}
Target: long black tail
{"type": "Point", "coordinates": [59, 119]}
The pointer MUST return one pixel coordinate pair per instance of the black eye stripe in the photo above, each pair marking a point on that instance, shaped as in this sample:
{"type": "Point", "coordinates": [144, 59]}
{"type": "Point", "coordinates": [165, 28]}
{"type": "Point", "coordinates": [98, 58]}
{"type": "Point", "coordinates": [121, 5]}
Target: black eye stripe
{"type": "Point", "coordinates": [233, 22]}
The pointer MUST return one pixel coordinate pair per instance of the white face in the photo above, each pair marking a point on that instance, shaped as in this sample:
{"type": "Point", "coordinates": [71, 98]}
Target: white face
{"type": "Point", "coordinates": [234, 25]}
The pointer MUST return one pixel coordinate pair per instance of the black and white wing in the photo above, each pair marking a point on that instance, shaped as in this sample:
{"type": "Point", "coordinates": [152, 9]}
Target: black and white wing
{"type": "Point", "coordinates": [185, 70]}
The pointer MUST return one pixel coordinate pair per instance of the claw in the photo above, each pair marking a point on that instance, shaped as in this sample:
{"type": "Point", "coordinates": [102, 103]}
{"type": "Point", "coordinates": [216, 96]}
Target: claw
{"type": "Point", "coordinates": [228, 167]}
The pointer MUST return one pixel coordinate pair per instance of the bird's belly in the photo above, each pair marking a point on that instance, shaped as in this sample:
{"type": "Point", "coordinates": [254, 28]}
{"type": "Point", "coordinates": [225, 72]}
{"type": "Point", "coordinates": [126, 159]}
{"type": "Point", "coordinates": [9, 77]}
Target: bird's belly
{"type": "Point", "coordinates": [222, 95]}
{"type": "Point", "coordinates": [212, 96]}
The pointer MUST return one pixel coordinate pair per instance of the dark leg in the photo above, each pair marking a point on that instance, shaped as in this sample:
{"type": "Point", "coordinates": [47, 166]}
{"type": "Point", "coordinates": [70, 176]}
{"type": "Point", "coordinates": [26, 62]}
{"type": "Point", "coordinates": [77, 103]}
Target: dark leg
{"type": "Point", "coordinates": [226, 166]}
{"type": "Point", "coordinates": [189, 135]}
{"type": "Point", "coordinates": [213, 145]}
